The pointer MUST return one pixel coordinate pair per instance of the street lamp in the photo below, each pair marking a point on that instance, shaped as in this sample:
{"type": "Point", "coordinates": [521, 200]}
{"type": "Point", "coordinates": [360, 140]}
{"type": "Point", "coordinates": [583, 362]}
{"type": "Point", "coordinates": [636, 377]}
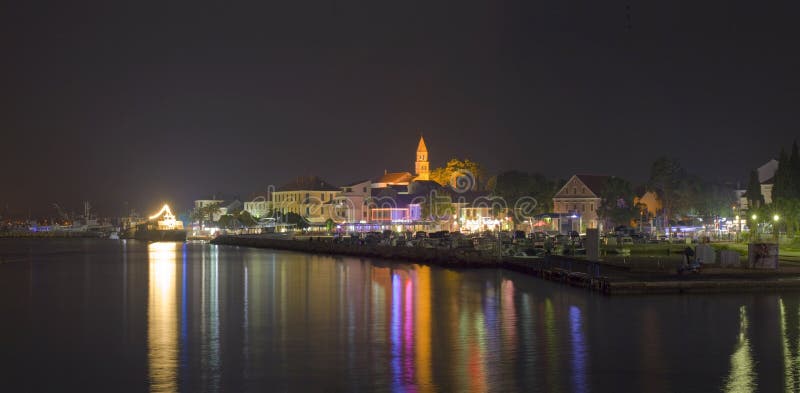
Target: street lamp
{"type": "Point", "coordinates": [755, 217]}
{"type": "Point", "coordinates": [739, 222]}
{"type": "Point", "coordinates": [775, 220]}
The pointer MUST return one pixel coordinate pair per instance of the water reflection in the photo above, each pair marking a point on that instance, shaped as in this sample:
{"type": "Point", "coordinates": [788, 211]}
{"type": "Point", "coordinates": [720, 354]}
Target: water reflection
{"type": "Point", "coordinates": [210, 346]}
{"type": "Point", "coordinates": [423, 335]}
{"type": "Point", "coordinates": [578, 350]}
{"type": "Point", "coordinates": [742, 377]}
{"type": "Point", "coordinates": [216, 317]}
{"type": "Point", "coordinates": [790, 344]}
{"type": "Point", "coordinates": [162, 320]}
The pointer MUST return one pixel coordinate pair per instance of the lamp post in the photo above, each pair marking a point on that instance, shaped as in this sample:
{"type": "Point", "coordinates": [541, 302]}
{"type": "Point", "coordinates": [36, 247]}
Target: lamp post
{"type": "Point", "coordinates": [738, 221]}
{"type": "Point", "coordinates": [775, 220]}
{"type": "Point", "coordinates": [755, 223]}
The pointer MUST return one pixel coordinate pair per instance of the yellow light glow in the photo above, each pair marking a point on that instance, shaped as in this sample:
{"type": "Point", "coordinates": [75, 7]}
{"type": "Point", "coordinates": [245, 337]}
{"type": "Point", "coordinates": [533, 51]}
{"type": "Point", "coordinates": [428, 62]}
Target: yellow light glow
{"type": "Point", "coordinates": [776, 218]}
{"type": "Point", "coordinates": [162, 211]}
{"type": "Point", "coordinates": [168, 221]}
{"type": "Point", "coordinates": [162, 318]}
{"type": "Point", "coordinates": [755, 217]}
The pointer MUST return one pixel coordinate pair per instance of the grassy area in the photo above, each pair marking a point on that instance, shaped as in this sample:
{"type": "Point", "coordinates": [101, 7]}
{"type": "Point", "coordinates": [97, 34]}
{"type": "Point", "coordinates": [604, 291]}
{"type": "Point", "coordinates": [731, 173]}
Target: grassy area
{"type": "Point", "coordinates": [668, 256]}
{"type": "Point", "coordinates": [649, 249]}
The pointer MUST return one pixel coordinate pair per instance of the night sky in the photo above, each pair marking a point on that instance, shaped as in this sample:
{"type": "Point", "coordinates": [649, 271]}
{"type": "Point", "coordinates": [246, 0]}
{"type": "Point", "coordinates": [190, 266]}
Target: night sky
{"type": "Point", "coordinates": [145, 102]}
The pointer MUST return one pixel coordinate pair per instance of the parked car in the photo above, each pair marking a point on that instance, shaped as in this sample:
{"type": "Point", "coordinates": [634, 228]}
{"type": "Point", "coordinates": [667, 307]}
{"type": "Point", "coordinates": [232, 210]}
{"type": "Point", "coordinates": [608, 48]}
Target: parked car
{"type": "Point", "coordinates": [439, 235]}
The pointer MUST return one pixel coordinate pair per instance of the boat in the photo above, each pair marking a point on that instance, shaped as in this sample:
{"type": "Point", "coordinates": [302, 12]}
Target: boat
{"type": "Point", "coordinates": [161, 227]}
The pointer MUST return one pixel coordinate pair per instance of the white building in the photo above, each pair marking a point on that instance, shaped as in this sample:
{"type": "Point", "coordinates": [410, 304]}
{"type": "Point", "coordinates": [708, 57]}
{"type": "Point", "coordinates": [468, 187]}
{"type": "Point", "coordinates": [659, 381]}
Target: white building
{"type": "Point", "coordinates": [351, 205]}
{"type": "Point", "coordinates": [258, 207]}
{"type": "Point", "coordinates": [766, 176]}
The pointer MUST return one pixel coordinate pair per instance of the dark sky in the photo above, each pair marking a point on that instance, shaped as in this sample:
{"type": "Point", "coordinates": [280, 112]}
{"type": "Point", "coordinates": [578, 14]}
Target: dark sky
{"type": "Point", "coordinates": [146, 102]}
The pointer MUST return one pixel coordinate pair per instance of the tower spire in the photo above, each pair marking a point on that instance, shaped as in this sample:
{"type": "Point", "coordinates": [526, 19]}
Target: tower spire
{"type": "Point", "coordinates": [421, 148]}
{"type": "Point", "coordinates": [422, 167]}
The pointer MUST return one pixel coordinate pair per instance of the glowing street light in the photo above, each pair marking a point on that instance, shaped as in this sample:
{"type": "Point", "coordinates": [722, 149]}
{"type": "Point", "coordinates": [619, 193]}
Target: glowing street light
{"type": "Point", "coordinates": [776, 218]}
{"type": "Point", "coordinates": [755, 217]}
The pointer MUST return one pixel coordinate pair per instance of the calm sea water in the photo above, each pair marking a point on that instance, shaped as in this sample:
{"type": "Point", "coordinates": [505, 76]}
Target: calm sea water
{"type": "Point", "coordinates": [100, 315]}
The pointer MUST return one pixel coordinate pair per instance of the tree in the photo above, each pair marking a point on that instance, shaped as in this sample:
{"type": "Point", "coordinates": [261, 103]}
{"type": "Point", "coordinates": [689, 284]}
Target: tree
{"type": "Point", "coordinates": [246, 219]}
{"type": "Point", "coordinates": [329, 225]}
{"type": "Point", "coordinates": [461, 175]}
{"type": "Point", "coordinates": [514, 185]}
{"type": "Point", "coordinates": [439, 206]}
{"type": "Point", "coordinates": [226, 221]}
{"type": "Point", "coordinates": [296, 219]}
{"type": "Point", "coordinates": [211, 210]}
{"type": "Point", "coordinates": [198, 215]}
{"type": "Point", "coordinates": [754, 197]}
{"type": "Point", "coordinates": [783, 187]}
{"type": "Point", "coordinates": [668, 181]}
{"type": "Point", "coordinates": [713, 200]}
{"type": "Point", "coordinates": [616, 202]}
{"type": "Point", "coordinates": [794, 173]}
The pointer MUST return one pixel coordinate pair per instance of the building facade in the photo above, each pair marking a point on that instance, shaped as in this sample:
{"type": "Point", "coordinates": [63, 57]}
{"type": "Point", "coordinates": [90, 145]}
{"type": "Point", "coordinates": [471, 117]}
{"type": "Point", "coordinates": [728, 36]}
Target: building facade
{"type": "Point", "coordinates": [766, 176]}
{"type": "Point", "coordinates": [352, 203]}
{"type": "Point", "coordinates": [305, 196]}
{"type": "Point", "coordinates": [580, 197]}
{"type": "Point", "coordinates": [258, 207]}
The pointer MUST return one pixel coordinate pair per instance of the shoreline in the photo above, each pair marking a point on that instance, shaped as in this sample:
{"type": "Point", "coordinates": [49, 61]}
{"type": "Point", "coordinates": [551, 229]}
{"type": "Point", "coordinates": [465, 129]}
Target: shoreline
{"type": "Point", "coordinates": [595, 276]}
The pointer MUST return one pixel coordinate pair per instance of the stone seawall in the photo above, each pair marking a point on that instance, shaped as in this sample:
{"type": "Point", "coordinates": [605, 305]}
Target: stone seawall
{"type": "Point", "coordinates": [436, 256]}
{"type": "Point", "coordinates": [570, 271]}
{"type": "Point", "coordinates": [52, 234]}
{"type": "Point", "coordinates": [597, 276]}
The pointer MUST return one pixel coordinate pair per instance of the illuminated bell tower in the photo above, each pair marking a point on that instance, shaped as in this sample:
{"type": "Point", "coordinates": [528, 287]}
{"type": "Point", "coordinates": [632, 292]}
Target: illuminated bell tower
{"type": "Point", "coordinates": [422, 168]}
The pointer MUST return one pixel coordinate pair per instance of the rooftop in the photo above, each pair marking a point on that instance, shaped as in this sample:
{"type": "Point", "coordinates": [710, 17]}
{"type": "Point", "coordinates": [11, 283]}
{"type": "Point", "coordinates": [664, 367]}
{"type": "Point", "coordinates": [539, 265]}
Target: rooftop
{"type": "Point", "coordinates": [308, 183]}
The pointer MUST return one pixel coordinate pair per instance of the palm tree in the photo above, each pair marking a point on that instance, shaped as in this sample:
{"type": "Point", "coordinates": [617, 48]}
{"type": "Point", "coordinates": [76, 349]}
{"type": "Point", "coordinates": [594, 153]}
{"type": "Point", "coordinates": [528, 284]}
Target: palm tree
{"type": "Point", "coordinates": [197, 215]}
{"type": "Point", "coordinates": [205, 213]}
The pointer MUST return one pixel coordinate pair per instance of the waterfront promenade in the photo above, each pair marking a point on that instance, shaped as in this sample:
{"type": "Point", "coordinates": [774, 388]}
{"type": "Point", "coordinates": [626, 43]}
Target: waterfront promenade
{"type": "Point", "coordinates": [600, 276]}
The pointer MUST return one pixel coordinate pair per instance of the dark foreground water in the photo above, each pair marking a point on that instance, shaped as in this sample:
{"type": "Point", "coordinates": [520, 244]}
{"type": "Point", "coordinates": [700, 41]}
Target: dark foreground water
{"type": "Point", "coordinates": [99, 315]}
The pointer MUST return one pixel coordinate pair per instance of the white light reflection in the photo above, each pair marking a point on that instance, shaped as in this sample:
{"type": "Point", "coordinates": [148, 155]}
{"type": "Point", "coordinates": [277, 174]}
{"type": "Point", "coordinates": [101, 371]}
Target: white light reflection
{"type": "Point", "coordinates": [162, 322]}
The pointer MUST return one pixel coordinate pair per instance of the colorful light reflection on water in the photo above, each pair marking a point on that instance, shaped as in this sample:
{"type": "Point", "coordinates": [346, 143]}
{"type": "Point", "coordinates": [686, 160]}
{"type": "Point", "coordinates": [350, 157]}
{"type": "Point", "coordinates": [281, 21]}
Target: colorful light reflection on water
{"type": "Point", "coordinates": [195, 317]}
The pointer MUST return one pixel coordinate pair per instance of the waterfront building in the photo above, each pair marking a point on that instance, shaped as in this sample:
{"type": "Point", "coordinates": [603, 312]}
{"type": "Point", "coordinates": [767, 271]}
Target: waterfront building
{"type": "Point", "coordinates": [201, 203]}
{"type": "Point", "coordinates": [580, 199]}
{"type": "Point", "coordinates": [226, 205]}
{"type": "Point", "coordinates": [766, 176]}
{"type": "Point", "coordinates": [258, 206]}
{"type": "Point", "coordinates": [351, 205]}
{"type": "Point", "coordinates": [475, 212]}
{"type": "Point", "coordinates": [305, 196]}
{"type": "Point", "coordinates": [393, 179]}
{"type": "Point", "coordinates": [651, 206]}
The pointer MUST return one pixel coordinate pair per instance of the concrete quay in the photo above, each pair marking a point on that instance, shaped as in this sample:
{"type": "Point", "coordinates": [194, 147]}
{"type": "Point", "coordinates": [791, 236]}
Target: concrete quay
{"type": "Point", "coordinates": [595, 276]}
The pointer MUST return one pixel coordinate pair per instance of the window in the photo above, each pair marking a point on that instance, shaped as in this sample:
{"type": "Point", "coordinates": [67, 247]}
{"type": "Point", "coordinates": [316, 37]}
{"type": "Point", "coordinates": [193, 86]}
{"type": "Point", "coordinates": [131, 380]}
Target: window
{"type": "Point", "coordinates": [583, 190]}
{"type": "Point", "coordinates": [574, 190]}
